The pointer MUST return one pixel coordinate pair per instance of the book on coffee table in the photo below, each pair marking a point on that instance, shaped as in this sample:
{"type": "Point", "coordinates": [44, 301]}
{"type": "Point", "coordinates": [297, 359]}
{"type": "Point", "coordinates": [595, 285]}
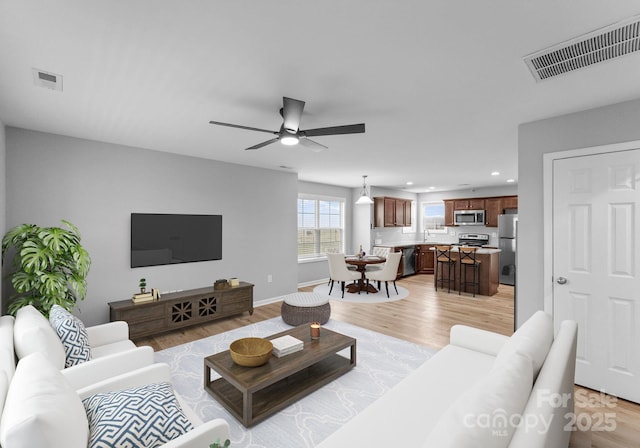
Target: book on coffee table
{"type": "Point", "coordinates": [285, 345]}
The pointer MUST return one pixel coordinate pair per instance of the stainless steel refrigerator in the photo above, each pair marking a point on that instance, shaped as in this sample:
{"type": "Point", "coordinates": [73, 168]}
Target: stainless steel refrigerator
{"type": "Point", "coordinates": [507, 232]}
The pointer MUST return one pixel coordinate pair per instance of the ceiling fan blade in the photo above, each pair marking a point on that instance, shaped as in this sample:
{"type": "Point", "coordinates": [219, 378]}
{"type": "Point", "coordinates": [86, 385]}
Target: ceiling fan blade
{"type": "Point", "coordinates": [334, 130]}
{"type": "Point", "coordinates": [292, 112]}
{"type": "Point", "coordinates": [219, 123]}
{"type": "Point", "coordinates": [313, 146]}
{"type": "Point", "coordinates": [260, 145]}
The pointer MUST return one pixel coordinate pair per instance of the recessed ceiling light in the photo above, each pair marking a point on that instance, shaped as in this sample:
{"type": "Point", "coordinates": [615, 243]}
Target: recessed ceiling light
{"type": "Point", "coordinates": [409, 183]}
{"type": "Point", "coordinates": [432, 188]}
{"type": "Point", "coordinates": [511, 181]}
{"type": "Point", "coordinates": [495, 173]}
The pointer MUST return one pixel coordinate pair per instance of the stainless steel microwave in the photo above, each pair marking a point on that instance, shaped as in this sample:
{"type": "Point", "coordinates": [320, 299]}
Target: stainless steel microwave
{"type": "Point", "coordinates": [468, 217]}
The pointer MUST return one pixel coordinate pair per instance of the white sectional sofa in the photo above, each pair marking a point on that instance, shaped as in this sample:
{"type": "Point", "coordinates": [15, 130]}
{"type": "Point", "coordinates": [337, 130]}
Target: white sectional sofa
{"type": "Point", "coordinates": [42, 404]}
{"type": "Point", "coordinates": [482, 390]}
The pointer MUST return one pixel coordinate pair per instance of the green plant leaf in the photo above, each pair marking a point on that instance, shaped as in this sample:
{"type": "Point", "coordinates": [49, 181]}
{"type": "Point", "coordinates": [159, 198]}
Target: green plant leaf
{"type": "Point", "coordinates": [35, 256]}
{"type": "Point", "coordinates": [53, 284]}
{"type": "Point", "coordinates": [23, 281]}
{"type": "Point", "coordinates": [17, 235]}
{"type": "Point", "coordinates": [57, 239]}
{"type": "Point", "coordinates": [50, 266]}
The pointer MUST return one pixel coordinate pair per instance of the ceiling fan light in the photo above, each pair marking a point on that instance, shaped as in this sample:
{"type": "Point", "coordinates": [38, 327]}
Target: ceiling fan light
{"type": "Point", "coordinates": [289, 139]}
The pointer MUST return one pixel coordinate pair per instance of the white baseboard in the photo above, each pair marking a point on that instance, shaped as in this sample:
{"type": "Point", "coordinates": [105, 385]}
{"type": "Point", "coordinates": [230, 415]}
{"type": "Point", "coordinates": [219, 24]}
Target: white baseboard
{"type": "Point", "coordinates": [270, 300]}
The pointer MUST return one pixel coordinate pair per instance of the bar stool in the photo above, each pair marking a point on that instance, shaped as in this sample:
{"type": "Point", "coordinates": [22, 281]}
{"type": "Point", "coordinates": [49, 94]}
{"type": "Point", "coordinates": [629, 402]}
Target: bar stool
{"type": "Point", "coordinates": [467, 257]}
{"type": "Point", "coordinates": [443, 258]}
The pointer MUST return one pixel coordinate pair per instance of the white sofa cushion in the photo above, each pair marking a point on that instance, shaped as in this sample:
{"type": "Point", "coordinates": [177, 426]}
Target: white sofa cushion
{"type": "Point", "coordinates": [533, 338]}
{"type": "Point", "coordinates": [32, 333]}
{"type": "Point", "coordinates": [141, 416]}
{"type": "Point", "coordinates": [7, 351]}
{"type": "Point", "coordinates": [487, 415]}
{"type": "Point", "coordinates": [41, 409]}
{"type": "Point", "coordinates": [4, 388]}
{"type": "Point", "coordinates": [404, 415]}
{"type": "Point", "coordinates": [72, 334]}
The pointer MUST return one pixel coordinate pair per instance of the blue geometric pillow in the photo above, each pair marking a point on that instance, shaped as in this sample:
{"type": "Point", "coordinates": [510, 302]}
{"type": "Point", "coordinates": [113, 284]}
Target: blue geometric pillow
{"type": "Point", "coordinates": [73, 335]}
{"type": "Point", "coordinates": [146, 416]}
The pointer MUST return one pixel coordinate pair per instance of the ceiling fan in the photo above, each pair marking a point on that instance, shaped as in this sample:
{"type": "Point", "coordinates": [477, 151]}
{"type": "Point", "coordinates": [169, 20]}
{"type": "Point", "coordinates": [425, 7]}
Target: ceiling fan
{"type": "Point", "coordinates": [290, 132]}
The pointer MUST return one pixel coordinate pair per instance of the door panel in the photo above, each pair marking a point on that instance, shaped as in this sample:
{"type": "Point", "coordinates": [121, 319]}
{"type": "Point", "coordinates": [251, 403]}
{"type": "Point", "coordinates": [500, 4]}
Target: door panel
{"type": "Point", "coordinates": [596, 227]}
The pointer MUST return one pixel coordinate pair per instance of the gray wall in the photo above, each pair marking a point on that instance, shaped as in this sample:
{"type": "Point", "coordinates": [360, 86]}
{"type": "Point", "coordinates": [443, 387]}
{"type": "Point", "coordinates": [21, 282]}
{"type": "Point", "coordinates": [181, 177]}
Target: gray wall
{"type": "Point", "coordinates": [97, 185]}
{"type": "Point", "coordinates": [3, 153]}
{"type": "Point", "coordinates": [616, 123]}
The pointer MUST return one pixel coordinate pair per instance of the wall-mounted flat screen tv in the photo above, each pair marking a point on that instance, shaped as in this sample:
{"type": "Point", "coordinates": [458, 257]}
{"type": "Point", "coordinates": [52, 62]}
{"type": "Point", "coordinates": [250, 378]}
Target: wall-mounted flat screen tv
{"type": "Point", "coordinates": [158, 239]}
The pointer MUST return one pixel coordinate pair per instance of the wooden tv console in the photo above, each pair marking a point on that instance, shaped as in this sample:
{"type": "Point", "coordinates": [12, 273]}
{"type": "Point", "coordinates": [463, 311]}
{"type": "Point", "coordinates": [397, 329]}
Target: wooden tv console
{"type": "Point", "coordinates": [183, 308]}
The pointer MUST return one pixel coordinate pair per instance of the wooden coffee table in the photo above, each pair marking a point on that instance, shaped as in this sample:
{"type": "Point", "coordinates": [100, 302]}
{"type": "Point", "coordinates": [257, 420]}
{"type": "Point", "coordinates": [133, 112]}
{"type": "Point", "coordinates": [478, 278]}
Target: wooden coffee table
{"type": "Point", "coordinates": [252, 394]}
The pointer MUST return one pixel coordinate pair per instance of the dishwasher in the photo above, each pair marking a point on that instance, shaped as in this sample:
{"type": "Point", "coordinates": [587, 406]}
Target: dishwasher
{"type": "Point", "coordinates": [408, 260]}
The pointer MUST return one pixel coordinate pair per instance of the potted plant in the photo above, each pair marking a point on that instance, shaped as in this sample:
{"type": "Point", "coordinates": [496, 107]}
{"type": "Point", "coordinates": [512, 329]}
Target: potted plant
{"type": "Point", "coordinates": [143, 285]}
{"type": "Point", "coordinates": [217, 444]}
{"type": "Point", "coordinates": [50, 266]}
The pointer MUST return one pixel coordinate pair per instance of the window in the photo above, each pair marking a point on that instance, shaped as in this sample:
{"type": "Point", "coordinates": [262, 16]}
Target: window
{"type": "Point", "coordinates": [433, 217]}
{"type": "Point", "coordinates": [320, 226]}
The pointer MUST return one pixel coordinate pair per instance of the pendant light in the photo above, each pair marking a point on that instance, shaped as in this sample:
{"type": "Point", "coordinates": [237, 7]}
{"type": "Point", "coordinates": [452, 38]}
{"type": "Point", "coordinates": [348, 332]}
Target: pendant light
{"type": "Point", "coordinates": [364, 195]}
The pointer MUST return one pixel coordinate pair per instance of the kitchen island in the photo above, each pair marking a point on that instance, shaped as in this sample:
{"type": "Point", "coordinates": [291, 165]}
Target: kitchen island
{"type": "Point", "coordinates": [488, 271]}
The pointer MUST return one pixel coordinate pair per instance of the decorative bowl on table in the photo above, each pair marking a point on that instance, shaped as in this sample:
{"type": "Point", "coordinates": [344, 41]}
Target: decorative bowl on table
{"type": "Point", "coordinates": [251, 352]}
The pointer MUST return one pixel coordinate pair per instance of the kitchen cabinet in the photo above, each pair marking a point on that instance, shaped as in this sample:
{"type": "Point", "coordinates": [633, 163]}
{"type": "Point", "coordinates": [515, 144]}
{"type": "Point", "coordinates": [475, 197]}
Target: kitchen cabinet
{"type": "Point", "coordinates": [496, 206]}
{"type": "Point", "coordinates": [391, 212]}
{"type": "Point", "coordinates": [509, 202]}
{"type": "Point", "coordinates": [424, 259]}
{"type": "Point", "coordinates": [493, 208]}
{"type": "Point", "coordinates": [448, 213]}
{"type": "Point", "coordinates": [469, 204]}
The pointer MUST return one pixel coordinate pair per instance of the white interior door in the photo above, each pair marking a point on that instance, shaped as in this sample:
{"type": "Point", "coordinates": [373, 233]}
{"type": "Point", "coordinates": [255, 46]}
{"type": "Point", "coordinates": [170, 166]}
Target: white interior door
{"type": "Point", "coordinates": [595, 266]}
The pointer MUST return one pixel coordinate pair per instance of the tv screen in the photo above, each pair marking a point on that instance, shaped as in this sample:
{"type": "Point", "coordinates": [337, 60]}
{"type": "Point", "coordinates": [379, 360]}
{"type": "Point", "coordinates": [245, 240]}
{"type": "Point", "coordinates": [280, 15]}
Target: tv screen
{"type": "Point", "coordinates": [158, 239]}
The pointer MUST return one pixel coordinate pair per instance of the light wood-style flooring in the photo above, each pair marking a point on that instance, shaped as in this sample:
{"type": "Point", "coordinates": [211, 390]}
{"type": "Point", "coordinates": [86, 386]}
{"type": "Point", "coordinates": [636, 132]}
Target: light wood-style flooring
{"type": "Point", "coordinates": [425, 317]}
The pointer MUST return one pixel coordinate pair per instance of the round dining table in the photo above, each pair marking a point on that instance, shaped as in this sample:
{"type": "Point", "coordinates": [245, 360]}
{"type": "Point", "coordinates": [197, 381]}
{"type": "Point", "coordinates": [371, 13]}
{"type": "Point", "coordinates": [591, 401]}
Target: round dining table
{"type": "Point", "coordinates": [361, 264]}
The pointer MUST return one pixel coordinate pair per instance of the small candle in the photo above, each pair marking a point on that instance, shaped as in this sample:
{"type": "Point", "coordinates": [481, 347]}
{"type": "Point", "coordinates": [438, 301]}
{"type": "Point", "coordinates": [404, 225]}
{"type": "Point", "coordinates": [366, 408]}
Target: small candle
{"type": "Point", "coordinates": [315, 330]}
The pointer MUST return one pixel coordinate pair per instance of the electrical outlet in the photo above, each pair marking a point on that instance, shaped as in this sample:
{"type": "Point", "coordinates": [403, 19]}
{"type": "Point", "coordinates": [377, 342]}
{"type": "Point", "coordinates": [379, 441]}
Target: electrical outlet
{"type": "Point", "coordinates": [269, 278]}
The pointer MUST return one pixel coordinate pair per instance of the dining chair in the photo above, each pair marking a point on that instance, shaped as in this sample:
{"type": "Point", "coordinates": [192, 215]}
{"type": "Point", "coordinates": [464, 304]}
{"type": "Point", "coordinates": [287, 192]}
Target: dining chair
{"type": "Point", "coordinates": [387, 274]}
{"type": "Point", "coordinates": [338, 272]}
{"type": "Point", "coordinates": [378, 252]}
{"type": "Point", "coordinates": [337, 251]}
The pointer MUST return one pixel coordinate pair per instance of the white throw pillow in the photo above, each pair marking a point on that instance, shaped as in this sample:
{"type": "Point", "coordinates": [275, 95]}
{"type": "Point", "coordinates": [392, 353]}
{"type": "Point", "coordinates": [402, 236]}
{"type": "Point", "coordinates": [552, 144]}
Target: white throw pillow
{"type": "Point", "coordinates": [533, 338]}
{"type": "Point", "coordinates": [42, 409]}
{"type": "Point", "coordinates": [72, 334]}
{"type": "Point", "coordinates": [32, 333]}
{"type": "Point", "coordinates": [148, 416]}
{"type": "Point", "coordinates": [487, 414]}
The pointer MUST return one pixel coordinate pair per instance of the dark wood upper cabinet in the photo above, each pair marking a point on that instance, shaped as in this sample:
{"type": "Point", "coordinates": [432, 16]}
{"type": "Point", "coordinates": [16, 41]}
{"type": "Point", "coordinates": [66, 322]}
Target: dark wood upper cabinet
{"type": "Point", "coordinates": [391, 212]}
{"type": "Point", "coordinates": [493, 207]}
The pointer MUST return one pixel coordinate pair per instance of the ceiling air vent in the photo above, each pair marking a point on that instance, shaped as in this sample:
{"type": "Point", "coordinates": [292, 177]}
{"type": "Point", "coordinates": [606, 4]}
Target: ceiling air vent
{"type": "Point", "coordinates": [47, 80]}
{"type": "Point", "coordinates": [598, 46]}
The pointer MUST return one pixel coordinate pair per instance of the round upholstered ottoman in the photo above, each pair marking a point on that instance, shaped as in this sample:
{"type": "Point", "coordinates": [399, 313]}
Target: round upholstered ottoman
{"type": "Point", "coordinates": [304, 307]}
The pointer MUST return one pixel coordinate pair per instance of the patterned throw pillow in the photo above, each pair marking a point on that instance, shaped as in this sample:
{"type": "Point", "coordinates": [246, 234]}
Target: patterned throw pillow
{"type": "Point", "coordinates": [73, 335]}
{"type": "Point", "coordinates": [147, 416]}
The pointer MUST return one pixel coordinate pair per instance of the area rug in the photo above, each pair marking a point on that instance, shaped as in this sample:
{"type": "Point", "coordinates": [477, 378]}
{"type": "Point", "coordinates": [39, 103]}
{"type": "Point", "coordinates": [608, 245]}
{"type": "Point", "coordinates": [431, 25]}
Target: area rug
{"type": "Point", "coordinates": [363, 297]}
{"type": "Point", "coordinates": [382, 361]}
